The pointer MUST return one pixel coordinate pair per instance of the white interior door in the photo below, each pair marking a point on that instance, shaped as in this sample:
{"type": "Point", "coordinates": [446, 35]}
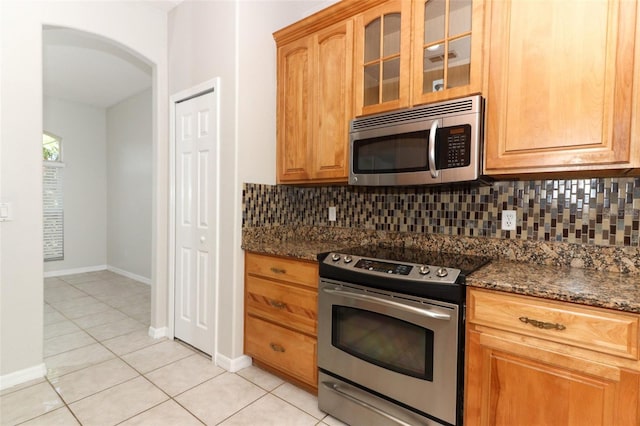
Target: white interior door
{"type": "Point", "coordinates": [195, 218]}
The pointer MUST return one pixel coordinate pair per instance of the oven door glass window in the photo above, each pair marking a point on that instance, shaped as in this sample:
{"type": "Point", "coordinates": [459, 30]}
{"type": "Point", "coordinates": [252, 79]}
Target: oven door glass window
{"type": "Point", "coordinates": [405, 152]}
{"type": "Point", "coordinates": [383, 340]}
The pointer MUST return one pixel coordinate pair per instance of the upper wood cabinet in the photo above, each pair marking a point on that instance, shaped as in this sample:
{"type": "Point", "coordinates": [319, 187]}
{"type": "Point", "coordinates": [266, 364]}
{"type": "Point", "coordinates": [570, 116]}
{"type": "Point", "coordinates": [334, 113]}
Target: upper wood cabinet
{"type": "Point", "coordinates": [560, 86]}
{"type": "Point", "coordinates": [315, 95]}
{"type": "Point", "coordinates": [455, 27]}
{"type": "Point", "coordinates": [314, 106]}
{"type": "Point", "coordinates": [383, 57]}
{"type": "Point", "coordinates": [400, 57]}
{"type": "Point", "coordinates": [294, 111]}
{"type": "Point", "coordinates": [333, 102]}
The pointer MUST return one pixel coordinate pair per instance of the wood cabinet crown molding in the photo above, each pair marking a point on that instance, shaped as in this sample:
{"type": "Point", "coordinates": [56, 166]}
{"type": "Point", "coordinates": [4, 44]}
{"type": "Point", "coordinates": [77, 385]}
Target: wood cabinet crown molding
{"type": "Point", "coordinates": [324, 18]}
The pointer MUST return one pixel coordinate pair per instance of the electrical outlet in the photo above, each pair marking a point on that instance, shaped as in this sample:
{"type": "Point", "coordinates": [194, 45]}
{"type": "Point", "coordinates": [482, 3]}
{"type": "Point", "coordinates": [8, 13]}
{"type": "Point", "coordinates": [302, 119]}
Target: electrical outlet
{"type": "Point", "coordinates": [332, 214]}
{"type": "Point", "coordinates": [508, 220]}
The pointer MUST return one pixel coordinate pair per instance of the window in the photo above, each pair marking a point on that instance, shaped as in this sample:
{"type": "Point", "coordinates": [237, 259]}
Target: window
{"type": "Point", "coordinates": [52, 197]}
{"type": "Point", "coordinates": [51, 147]}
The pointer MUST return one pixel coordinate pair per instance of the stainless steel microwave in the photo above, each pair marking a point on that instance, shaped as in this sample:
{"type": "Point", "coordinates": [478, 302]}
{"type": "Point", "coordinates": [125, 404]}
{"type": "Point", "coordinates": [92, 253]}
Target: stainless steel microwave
{"type": "Point", "coordinates": [433, 144]}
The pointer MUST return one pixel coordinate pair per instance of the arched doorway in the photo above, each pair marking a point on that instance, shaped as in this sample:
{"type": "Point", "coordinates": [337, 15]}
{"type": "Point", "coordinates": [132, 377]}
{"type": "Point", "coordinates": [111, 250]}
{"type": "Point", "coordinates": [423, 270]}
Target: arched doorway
{"type": "Point", "coordinates": [97, 97]}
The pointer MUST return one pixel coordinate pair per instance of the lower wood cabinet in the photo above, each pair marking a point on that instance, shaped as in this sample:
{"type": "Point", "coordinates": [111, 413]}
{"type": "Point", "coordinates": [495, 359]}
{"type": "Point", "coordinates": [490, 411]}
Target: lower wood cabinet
{"type": "Point", "coordinates": [280, 323]}
{"type": "Point", "coordinates": [535, 362]}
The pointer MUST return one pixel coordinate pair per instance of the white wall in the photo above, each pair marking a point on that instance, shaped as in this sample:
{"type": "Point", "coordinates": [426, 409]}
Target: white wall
{"type": "Point", "coordinates": [135, 25]}
{"type": "Point", "coordinates": [129, 149]}
{"type": "Point", "coordinates": [83, 132]}
{"type": "Point", "coordinates": [107, 184]}
{"type": "Point", "coordinates": [233, 41]}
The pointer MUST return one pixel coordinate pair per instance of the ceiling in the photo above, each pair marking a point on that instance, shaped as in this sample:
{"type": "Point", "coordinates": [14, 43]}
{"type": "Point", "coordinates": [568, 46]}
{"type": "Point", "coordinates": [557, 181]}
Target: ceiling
{"type": "Point", "coordinates": [88, 69]}
{"type": "Point", "coordinates": [84, 68]}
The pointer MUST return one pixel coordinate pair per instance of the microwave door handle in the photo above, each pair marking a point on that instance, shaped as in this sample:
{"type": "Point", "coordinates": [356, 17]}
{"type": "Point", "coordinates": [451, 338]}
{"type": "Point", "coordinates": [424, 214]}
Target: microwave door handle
{"type": "Point", "coordinates": [432, 150]}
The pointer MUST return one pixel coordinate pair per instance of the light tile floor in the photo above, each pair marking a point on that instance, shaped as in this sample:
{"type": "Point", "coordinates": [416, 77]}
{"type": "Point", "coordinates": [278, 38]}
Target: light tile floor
{"type": "Point", "coordinates": [104, 369]}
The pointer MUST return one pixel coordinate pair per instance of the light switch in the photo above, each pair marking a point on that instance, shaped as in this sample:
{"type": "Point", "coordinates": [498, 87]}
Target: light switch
{"type": "Point", "coordinates": [5, 211]}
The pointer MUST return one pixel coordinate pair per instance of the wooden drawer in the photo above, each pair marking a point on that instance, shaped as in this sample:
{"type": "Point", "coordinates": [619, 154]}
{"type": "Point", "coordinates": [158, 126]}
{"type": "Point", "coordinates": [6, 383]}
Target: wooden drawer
{"type": "Point", "coordinates": [288, 305]}
{"type": "Point", "coordinates": [297, 271]}
{"type": "Point", "coordinates": [283, 349]}
{"type": "Point", "coordinates": [601, 330]}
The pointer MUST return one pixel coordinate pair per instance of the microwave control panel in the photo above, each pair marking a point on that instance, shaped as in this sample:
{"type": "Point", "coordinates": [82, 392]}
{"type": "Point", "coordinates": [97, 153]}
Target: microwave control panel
{"type": "Point", "coordinates": [455, 146]}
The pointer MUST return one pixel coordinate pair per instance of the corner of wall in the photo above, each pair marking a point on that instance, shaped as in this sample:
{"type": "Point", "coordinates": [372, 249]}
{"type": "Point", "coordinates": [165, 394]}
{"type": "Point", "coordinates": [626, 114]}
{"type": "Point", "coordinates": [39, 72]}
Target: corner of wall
{"type": "Point", "coordinates": [233, 365]}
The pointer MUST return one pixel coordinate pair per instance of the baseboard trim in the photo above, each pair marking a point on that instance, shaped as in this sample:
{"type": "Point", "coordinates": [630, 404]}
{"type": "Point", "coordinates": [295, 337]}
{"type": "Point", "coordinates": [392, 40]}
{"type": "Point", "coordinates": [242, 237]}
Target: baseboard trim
{"type": "Point", "coordinates": [158, 333]}
{"type": "Point", "coordinates": [98, 268]}
{"type": "Point", "coordinates": [235, 364]}
{"type": "Point", "coordinates": [131, 275]}
{"type": "Point", "coordinates": [82, 270]}
{"type": "Point", "coordinates": [22, 376]}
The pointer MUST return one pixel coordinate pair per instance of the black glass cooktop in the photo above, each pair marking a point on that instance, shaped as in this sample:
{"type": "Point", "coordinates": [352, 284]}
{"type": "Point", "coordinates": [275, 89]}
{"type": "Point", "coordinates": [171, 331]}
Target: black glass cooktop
{"type": "Point", "coordinates": [414, 271]}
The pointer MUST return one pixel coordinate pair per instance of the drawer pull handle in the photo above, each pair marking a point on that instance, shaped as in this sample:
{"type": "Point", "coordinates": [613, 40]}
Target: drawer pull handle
{"type": "Point", "coordinates": [278, 270]}
{"type": "Point", "coordinates": [277, 304]}
{"type": "Point", "coordinates": [276, 347]}
{"type": "Point", "coordinates": [541, 324]}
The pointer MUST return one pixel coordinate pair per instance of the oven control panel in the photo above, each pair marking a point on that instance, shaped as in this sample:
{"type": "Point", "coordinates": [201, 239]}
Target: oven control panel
{"type": "Point", "coordinates": [392, 269]}
{"type": "Point", "coordinates": [386, 267]}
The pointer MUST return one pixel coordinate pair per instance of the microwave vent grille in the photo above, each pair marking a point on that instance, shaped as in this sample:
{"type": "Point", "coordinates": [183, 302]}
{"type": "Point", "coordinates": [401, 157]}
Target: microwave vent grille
{"type": "Point", "coordinates": [439, 110]}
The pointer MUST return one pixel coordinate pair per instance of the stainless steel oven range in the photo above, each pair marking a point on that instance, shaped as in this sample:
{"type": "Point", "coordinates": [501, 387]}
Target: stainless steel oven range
{"type": "Point", "coordinates": [391, 335]}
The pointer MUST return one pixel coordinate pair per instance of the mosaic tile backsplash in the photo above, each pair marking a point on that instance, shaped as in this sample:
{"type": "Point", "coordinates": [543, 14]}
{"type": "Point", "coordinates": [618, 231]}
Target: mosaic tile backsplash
{"type": "Point", "coordinates": [598, 211]}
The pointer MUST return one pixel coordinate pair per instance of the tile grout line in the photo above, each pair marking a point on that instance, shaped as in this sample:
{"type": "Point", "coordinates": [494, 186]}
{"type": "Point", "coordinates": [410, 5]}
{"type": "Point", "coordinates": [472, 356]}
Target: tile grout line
{"type": "Point", "coordinates": [83, 329]}
{"type": "Point", "coordinates": [139, 373]}
{"type": "Point", "coordinates": [142, 375]}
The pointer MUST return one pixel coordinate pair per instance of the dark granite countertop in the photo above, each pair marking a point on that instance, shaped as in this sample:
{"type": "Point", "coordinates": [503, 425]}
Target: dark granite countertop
{"type": "Point", "coordinates": [298, 249]}
{"type": "Point", "coordinates": [584, 286]}
{"type": "Point", "coordinates": [587, 286]}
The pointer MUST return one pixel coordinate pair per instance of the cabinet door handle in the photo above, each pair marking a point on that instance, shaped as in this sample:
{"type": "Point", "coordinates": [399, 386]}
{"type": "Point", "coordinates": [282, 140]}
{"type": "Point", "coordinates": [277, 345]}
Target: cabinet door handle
{"type": "Point", "coordinates": [276, 347]}
{"type": "Point", "coordinates": [277, 304]}
{"type": "Point", "coordinates": [542, 324]}
{"type": "Point", "coordinates": [278, 270]}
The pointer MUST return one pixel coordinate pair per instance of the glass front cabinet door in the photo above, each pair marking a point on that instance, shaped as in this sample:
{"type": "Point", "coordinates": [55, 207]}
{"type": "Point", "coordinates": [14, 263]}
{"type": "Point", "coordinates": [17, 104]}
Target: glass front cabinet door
{"type": "Point", "coordinates": [415, 52]}
{"type": "Point", "coordinates": [447, 55]}
{"type": "Point", "coordinates": [383, 54]}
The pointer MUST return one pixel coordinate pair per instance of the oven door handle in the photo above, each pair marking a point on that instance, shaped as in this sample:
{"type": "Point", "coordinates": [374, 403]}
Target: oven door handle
{"type": "Point", "coordinates": [334, 387]}
{"type": "Point", "coordinates": [388, 303]}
